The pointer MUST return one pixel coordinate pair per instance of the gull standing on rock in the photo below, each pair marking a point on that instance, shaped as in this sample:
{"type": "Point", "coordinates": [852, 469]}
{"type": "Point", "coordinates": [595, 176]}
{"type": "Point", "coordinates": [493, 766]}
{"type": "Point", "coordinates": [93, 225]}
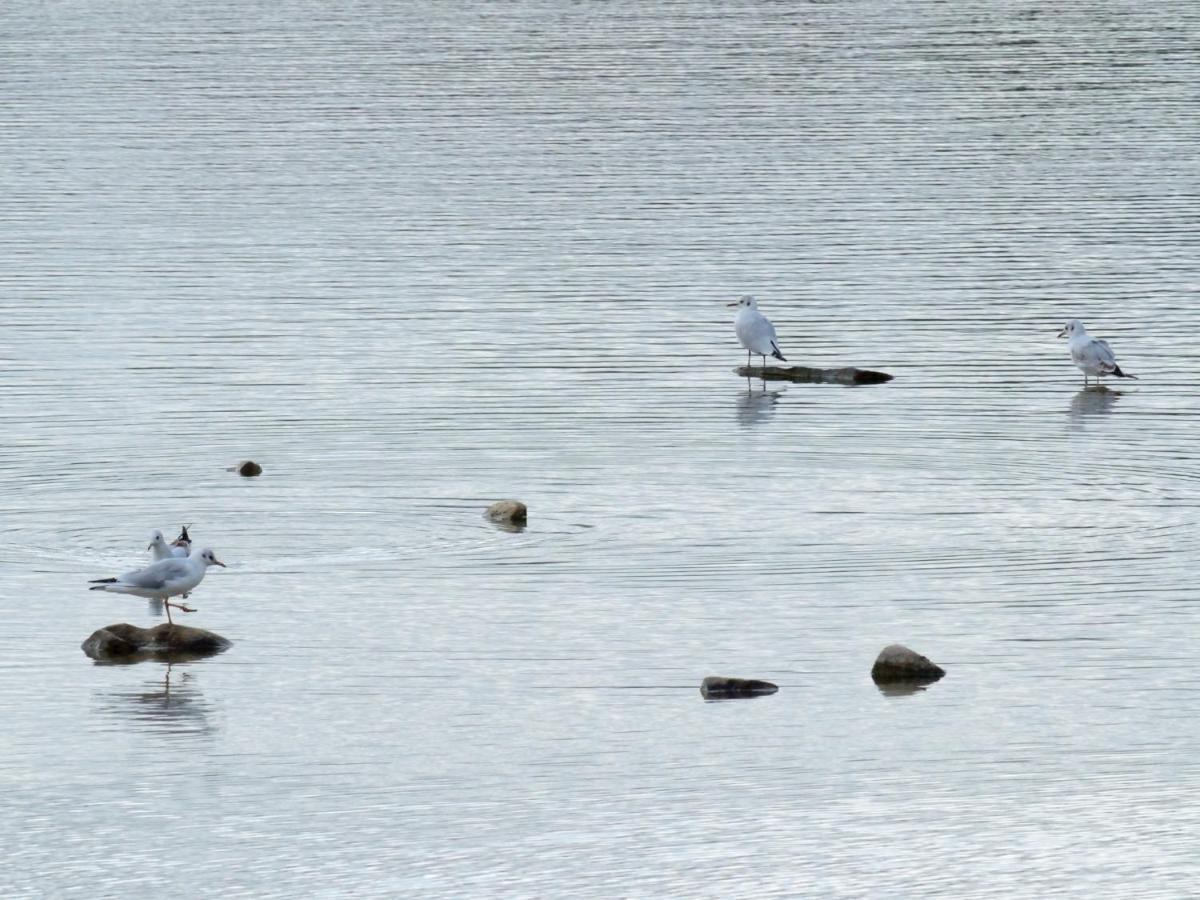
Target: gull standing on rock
{"type": "Point", "coordinates": [1091, 356]}
{"type": "Point", "coordinates": [163, 550]}
{"type": "Point", "coordinates": [755, 331]}
{"type": "Point", "coordinates": [163, 579]}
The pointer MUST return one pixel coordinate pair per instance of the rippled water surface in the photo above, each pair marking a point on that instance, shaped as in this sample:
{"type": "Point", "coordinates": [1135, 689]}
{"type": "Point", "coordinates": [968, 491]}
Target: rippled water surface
{"type": "Point", "coordinates": [417, 257]}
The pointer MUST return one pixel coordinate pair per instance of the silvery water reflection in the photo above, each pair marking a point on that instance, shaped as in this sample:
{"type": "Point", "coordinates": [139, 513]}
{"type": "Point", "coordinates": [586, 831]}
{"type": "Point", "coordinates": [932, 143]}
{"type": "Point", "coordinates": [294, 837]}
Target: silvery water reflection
{"type": "Point", "coordinates": [756, 405]}
{"type": "Point", "coordinates": [167, 700]}
{"type": "Point", "coordinates": [414, 258]}
{"type": "Point", "coordinates": [1093, 401]}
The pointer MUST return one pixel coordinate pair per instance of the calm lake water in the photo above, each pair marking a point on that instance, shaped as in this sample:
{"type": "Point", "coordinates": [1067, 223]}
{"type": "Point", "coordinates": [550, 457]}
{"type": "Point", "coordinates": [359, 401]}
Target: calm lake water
{"type": "Point", "coordinates": [416, 257]}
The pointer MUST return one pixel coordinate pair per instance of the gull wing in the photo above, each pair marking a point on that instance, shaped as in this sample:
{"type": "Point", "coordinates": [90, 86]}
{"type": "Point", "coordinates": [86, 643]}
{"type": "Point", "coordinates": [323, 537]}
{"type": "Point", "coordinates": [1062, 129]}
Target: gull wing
{"type": "Point", "coordinates": [158, 575]}
{"type": "Point", "coordinates": [1101, 354]}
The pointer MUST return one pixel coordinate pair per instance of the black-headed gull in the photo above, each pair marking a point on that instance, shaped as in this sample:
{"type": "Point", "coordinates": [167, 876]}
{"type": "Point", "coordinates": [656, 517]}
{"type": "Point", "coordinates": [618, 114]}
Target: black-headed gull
{"type": "Point", "coordinates": [163, 550]}
{"type": "Point", "coordinates": [1091, 356]}
{"type": "Point", "coordinates": [163, 579]}
{"type": "Point", "coordinates": [755, 331]}
{"type": "Point", "coordinates": [184, 540]}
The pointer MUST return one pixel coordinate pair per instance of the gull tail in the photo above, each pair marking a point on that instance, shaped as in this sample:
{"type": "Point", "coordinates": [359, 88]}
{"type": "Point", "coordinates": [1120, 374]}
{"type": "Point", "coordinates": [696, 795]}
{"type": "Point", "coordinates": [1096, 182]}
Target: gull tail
{"type": "Point", "coordinates": [101, 581]}
{"type": "Point", "coordinates": [775, 352]}
{"type": "Point", "coordinates": [1117, 371]}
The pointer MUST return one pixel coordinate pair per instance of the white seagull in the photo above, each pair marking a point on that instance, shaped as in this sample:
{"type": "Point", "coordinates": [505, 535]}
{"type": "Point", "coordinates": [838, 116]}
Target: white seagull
{"type": "Point", "coordinates": [163, 550]}
{"type": "Point", "coordinates": [163, 579]}
{"type": "Point", "coordinates": [1091, 356]}
{"type": "Point", "coordinates": [755, 331]}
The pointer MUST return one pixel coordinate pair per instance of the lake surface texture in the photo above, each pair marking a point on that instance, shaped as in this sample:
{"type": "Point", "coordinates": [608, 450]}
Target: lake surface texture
{"type": "Point", "coordinates": [417, 257]}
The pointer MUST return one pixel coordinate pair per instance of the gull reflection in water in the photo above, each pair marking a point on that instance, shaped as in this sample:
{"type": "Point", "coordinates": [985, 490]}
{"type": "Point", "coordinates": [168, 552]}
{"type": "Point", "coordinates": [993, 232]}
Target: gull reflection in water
{"type": "Point", "coordinates": [1093, 402]}
{"type": "Point", "coordinates": [170, 702]}
{"type": "Point", "coordinates": [755, 406]}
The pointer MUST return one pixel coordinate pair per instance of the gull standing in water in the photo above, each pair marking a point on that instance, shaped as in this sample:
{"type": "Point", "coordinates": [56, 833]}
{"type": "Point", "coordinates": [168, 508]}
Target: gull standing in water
{"type": "Point", "coordinates": [163, 550]}
{"type": "Point", "coordinates": [1091, 356]}
{"type": "Point", "coordinates": [163, 579]}
{"type": "Point", "coordinates": [755, 331]}
{"type": "Point", "coordinates": [184, 542]}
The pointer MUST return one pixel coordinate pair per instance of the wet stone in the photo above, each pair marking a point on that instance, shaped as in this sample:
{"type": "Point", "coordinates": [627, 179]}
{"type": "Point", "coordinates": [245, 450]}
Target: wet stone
{"type": "Point", "coordinates": [897, 663]}
{"type": "Point", "coordinates": [123, 642]}
{"type": "Point", "coordinates": [718, 686]}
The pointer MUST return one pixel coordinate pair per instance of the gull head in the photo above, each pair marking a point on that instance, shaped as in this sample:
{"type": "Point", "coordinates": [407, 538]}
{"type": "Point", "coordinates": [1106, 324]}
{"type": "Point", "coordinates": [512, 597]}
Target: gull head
{"type": "Point", "coordinates": [210, 559]}
{"type": "Point", "coordinates": [1071, 329]}
{"type": "Point", "coordinates": [747, 302]}
{"type": "Point", "coordinates": [156, 538]}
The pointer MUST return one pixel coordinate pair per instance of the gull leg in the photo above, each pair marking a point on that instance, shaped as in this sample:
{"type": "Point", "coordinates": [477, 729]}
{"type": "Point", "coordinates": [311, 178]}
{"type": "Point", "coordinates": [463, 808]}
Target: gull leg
{"type": "Point", "coordinates": [167, 604]}
{"type": "Point", "coordinates": [747, 359]}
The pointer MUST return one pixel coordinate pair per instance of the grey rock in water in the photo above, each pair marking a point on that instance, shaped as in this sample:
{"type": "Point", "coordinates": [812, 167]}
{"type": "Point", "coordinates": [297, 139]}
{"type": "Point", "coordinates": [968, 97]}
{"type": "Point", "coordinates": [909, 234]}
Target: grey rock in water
{"type": "Point", "coordinates": [896, 663]}
{"type": "Point", "coordinates": [715, 686]}
{"type": "Point", "coordinates": [508, 512]}
{"type": "Point", "coordinates": [249, 469]}
{"type": "Point", "coordinates": [845, 375]}
{"type": "Point", "coordinates": [123, 642]}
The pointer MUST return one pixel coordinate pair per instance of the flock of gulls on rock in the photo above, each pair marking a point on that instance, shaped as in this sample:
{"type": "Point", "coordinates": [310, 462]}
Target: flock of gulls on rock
{"type": "Point", "coordinates": [1091, 356]}
{"type": "Point", "coordinates": [178, 569]}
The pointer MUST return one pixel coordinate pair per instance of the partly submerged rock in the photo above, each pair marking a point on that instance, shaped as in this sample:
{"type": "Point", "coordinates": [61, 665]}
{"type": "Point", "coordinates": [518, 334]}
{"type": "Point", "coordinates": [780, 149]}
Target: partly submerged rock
{"type": "Point", "coordinates": [169, 643]}
{"type": "Point", "coordinates": [508, 512]}
{"type": "Point", "coordinates": [249, 469]}
{"type": "Point", "coordinates": [896, 664]}
{"type": "Point", "coordinates": [716, 686]}
{"type": "Point", "coordinates": [845, 375]}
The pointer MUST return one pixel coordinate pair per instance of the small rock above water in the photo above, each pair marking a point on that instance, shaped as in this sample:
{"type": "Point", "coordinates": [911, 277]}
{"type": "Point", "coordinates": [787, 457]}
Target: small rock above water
{"type": "Point", "coordinates": [896, 663]}
{"type": "Point", "coordinates": [508, 512]}
{"type": "Point", "coordinates": [845, 375]}
{"type": "Point", "coordinates": [249, 469]}
{"type": "Point", "coordinates": [718, 686]}
{"type": "Point", "coordinates": [123, 642]}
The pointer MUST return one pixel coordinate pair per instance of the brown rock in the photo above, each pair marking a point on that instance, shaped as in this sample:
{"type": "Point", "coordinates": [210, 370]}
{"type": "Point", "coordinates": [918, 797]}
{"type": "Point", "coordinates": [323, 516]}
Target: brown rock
{"type": "Point", "coordinates": [249, 469]}
{"type": "Point", "coordinates": [715, 686]}
{"type": "Point", "coordinates": [508, 512]}
{"type": "Point", "coordinates": [896, 663]}
{"type": "Point", "coordinates": [123, 642]}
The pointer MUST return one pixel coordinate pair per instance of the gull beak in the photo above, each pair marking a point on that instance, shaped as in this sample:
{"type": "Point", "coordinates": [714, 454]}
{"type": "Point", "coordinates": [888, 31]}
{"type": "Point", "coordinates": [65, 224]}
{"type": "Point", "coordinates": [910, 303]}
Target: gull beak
{"type": "Point", "coordinates": [732, 304]}
{"type": "Point", "coordinates": [150, 546]}
{"type": "Point", "coordinates": [1063, 333]}
{"type": "Point", "coordinates": [217, 562]}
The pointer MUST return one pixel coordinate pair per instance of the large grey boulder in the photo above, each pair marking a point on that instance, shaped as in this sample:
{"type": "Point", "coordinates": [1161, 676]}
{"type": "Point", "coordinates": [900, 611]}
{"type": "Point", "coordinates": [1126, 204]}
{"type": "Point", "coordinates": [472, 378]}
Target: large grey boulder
{"type": "Point", "coordinates": [718, 686]}
{"type": "Point", "coordinates": [123, 642]}
{"type": "Point", "coordinates": [896, 663]}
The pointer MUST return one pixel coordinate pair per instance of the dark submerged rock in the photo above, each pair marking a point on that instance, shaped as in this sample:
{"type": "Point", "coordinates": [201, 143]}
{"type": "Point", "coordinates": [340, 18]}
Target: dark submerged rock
{"type": "Point", "coordinates": [168, 643]}
{"type": "Point", "coordinates": [897, 665]}
{"type": "Point", "coordinates": [716, 686]}
{"type": "Point", "coordinates": [845, 375]}
{"type": "Point", "coordinates": [508, 512]}
{"type": "Point", "coordinates": [249, 469]}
